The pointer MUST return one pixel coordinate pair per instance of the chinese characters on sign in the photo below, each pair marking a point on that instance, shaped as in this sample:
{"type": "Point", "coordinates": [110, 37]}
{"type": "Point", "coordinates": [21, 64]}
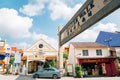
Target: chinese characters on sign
{"type": "Point", "coordinates": [87, 15]}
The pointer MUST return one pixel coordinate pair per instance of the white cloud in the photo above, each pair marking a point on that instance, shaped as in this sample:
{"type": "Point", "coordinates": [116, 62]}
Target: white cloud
{"type": "Point", "coordinates": [91, 34]}
{"type": "Point", "coordinates": [22, 45]}
{"type": "Point", "coordinates": [13, 25]}
{"type": "Point", "coordinates": [61, 10]}
{"type": "Point", "coordinates": [34, 7]}
{"type": "Point", "coordinates": [35, 37]}
{"type": "Point", "coordinates": [53, 42]}
{"type": "Point", "coordinates": [58, 8]}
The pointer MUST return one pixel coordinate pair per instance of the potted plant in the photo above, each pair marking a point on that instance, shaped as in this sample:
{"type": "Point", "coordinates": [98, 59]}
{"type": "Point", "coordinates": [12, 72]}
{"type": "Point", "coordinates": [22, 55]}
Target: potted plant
{"type": "Point", "coordinates": [78, 71]}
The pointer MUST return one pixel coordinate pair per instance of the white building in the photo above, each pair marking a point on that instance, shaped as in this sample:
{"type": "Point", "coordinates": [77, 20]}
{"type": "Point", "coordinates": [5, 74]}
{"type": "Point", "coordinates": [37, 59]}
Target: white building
{"type": "Point", "coordinates": [92, 57]}
{"type": "Point", "coordinates": [36, 55]}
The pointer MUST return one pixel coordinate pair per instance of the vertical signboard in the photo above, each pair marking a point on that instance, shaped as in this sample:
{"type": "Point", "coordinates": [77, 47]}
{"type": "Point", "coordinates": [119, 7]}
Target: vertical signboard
{"type": "Point", "coordinates": [7, 55]}
{"type": "Point", "coordinates": [90, 13]}
{"type": "Point", "coordinates": [2, 46]}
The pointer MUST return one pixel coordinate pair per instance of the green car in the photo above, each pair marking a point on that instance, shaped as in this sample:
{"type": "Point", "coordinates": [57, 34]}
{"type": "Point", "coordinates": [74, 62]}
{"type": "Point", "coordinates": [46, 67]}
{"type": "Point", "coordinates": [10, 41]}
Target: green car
{"type": "Point", "coordinates": [48, 72]}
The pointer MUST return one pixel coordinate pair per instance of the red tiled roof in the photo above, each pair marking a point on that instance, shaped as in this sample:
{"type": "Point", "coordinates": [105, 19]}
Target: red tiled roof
{"type": "Point", "coordinates": [87, 45]}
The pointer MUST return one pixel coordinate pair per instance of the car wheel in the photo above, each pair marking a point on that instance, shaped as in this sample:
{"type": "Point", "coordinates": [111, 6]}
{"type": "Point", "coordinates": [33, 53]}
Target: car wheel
{"type": "Point", "coordinates": [36, 76]}
{"type": "Point", "coordinates": [55, 76]}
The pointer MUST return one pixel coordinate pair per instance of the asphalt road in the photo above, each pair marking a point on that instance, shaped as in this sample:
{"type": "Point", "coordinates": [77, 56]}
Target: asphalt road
{"type": "Point", "coordinates": [18, 77]}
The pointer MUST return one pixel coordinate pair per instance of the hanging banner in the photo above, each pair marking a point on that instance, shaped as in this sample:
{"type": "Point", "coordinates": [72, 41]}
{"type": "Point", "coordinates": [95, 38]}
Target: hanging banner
{"type": "Point", "coordinates": [17, 57]}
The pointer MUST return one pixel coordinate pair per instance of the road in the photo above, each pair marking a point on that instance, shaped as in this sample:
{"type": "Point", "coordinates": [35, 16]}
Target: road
{"type": "Point", "coordinates": [18, 77]}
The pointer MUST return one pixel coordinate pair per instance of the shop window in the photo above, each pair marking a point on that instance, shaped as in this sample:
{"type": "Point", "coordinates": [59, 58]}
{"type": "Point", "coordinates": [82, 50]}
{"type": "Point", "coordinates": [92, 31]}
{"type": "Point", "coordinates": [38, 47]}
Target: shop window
{"type": "Point", "coordinates": [99, 52]}
{"type": "Point", "coordinates": [85, 52]}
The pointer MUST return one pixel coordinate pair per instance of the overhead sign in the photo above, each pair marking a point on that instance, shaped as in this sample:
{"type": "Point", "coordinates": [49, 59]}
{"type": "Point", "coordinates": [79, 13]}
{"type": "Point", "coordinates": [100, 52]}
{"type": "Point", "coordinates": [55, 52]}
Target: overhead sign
{"type": "Point", "coordinates": [90, 13]}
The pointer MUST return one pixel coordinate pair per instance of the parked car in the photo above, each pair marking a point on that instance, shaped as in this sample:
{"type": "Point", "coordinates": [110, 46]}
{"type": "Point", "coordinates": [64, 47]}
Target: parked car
{"type": "Point", "coordinates": [48, 72]}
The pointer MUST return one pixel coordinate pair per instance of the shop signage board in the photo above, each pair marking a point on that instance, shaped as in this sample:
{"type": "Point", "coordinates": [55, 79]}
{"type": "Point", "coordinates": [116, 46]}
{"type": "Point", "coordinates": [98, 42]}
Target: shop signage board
{"type": "Point", "coordinates": [93, 60]}
{"type": "Point", "coordinates": [36, 57]}
{"type": "Point", "coordinates": [7, 55]}
{"type": "Point", "coordinates": [2, 46]}
{"type": "Point", "coordinates": [2, 43]}
{"type": "Point", "coordinates": [90, 13]}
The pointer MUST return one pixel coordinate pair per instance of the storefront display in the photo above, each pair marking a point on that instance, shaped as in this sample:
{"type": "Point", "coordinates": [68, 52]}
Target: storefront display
{"type": "Point", "coordinates": [98, 67]}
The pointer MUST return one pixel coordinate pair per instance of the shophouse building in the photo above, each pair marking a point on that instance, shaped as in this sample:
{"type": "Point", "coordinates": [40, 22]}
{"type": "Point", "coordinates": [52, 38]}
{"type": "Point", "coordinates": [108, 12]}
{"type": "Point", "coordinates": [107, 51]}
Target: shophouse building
{"type": "Point", "coordinates": [94, 58]}
{"type": "Point", "coordinates": [111, 39]}
{"type": "Point", "coordinates": [35, 56]}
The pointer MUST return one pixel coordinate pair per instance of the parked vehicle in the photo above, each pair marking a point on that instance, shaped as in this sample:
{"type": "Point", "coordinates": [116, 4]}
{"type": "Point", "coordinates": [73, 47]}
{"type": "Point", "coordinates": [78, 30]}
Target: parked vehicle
{"type": "Point", "coordinates": [48, 72]}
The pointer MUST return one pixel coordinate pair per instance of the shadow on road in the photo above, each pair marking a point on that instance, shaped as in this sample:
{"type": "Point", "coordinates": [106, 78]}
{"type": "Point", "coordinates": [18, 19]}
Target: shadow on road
{"type": "Point", "coordinates": [22, 77]}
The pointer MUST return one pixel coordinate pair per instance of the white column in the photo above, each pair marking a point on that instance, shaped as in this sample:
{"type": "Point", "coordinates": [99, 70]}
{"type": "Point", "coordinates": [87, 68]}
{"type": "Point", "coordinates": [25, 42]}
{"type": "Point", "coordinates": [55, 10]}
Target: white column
{"type": "Point", "coordinates": [60, 50]}
{"type": "Point", "coordinates": [27, 67]}
{"type": "Point", "coordinates": [61, 58]}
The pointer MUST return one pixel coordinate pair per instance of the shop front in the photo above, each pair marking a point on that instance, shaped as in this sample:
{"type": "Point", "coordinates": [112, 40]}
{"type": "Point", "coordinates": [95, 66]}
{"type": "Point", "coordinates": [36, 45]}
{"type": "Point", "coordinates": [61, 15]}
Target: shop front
{"type": "Point", "coordinates": [98, 67]}
{"type": "Point", "coordinates": [35, 62]}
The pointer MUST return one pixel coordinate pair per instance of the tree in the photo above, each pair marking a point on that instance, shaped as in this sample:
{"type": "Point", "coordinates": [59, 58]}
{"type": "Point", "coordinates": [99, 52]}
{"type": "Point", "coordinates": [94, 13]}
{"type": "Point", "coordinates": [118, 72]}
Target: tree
{"type": "Point", "coordinates": [52, 63]}
{"type": "Point", "coordinates": [46, 64]}
{"type": "Point", "coordinates": [65, 56]}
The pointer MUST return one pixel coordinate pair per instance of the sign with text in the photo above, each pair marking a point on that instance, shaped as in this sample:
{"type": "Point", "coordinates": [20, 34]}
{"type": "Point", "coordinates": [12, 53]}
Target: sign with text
{"type": "Point", "coordinates": [2, 46]}
{"type": "Point", "coordinates": [36, 57]}
{"type": "Point", "coordinates": [90, 13]}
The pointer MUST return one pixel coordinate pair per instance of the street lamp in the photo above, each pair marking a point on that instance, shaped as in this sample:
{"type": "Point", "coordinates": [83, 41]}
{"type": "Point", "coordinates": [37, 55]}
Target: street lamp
{"type": "Point", "coordinates": [108, 41]}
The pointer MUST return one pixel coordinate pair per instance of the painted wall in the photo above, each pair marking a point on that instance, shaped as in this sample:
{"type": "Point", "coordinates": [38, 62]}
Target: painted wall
{"type": "Point", "coordinates": [92, 52]}
{"type": "Point", "coordinates": [117, 51]}
{"type": "Point", "coordinates": [77, 53]}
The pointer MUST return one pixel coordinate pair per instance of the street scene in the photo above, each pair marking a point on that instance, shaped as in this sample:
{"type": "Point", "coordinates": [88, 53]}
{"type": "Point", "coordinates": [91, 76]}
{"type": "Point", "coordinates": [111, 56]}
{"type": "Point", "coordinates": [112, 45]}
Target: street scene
{"type": "Point", "coordinates": [60, 40]}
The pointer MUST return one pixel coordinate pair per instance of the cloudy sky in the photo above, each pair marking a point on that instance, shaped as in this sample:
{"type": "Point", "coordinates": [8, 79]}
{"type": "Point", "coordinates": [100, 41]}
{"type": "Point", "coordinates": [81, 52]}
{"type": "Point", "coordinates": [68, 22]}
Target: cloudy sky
{"type": "Point", "coordinates": [23, 22]}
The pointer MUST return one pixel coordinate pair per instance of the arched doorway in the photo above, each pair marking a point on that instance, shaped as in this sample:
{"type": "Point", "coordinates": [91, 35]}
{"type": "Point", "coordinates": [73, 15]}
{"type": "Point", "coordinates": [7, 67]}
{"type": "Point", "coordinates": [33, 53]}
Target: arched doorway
{"type": "Point", "coordinates": [34, 66]}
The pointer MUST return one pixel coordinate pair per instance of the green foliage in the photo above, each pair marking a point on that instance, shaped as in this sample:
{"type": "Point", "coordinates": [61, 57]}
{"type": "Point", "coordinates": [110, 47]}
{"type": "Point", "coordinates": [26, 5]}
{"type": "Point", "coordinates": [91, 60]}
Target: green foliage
{"type": "Point", "coordinates": [52, 63]}
{"type": "Point", "coordinates": [78, 71]}
{"type": "Point", "coordinates": [46, 65]}
{"type": "Point", "coordinates": [118, 65]}
{"type": "Point", "coordinates": [49, 63]}
{"type": "Point", "coordinates": [65, 56]}
{"type": "Point", "coordinates": [12, 60]}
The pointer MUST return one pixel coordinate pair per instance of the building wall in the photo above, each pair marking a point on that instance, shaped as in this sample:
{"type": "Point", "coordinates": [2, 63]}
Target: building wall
{"type": "Point", "coordinates": [92, 52]}
{"type": "Point", "coordinates": [71, 54]}
{"type": "Point", "coordinates": [117, 51]}
{"type": "Point", "coordinates": [75, 53]}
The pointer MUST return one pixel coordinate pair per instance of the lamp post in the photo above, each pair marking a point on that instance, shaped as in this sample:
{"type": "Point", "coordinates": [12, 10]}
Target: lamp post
{"type": "Point", "coordinates": [108, 41]}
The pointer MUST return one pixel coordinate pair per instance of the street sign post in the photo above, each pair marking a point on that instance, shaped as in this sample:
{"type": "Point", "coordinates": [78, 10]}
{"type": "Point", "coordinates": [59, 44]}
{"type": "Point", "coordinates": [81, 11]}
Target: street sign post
{"type": "Point", "coordinates": [90, 13]}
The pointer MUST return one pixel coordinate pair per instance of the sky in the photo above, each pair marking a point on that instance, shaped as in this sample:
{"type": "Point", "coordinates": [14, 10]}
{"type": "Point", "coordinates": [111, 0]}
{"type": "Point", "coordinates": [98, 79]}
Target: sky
{"type": "Point", "coordinates": [23, 22]}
